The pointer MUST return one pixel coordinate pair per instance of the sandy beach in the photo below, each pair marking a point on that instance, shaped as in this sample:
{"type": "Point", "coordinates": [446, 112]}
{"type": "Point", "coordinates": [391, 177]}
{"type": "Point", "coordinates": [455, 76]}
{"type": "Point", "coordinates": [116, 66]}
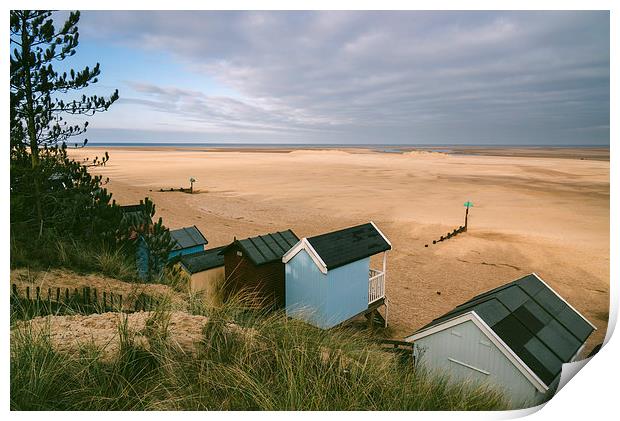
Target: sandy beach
{"type": "Point", "coordinates": [533, 212]}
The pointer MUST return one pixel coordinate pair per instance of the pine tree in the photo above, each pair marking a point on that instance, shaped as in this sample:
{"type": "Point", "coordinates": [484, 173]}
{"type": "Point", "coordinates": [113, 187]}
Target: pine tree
{"type": "Point", "coordinates": [41, 97]}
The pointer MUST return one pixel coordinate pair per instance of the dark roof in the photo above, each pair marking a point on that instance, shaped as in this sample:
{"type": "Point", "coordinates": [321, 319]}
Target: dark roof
{"type": "Point", "coordinates": [540, 327]}
{"type": "Point", "coordinates": [342, 247]}
{"type": "Point", "coordinates": [187, 237]}
{"type": "Point", "coordinates": [267, 248]}
{"type": "Point", "coordinates": [135, 214]}
{"type": "Point", "coordinates": [132, 208]}
{"type": "Point", "coordinates": [203, 260]}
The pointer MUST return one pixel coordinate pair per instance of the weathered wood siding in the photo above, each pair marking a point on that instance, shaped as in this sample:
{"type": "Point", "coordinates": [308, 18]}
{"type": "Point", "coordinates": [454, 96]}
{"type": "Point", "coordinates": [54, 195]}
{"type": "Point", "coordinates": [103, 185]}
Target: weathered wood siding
{"type": "Point", "coordinates": [265, 281]}
{"type": "Point", "coordinates": [466, 343]}
{"type": "Point", "coordinates": [325, 300]}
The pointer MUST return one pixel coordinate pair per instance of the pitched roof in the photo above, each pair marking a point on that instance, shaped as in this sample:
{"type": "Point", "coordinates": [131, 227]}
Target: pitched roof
{"type": "Point", "coordinates": [187, 237]}
{"type": "Point", "coordinates": [203, 260]}
{"type": "Point", "coordinates": [538, 325]}
{"type": "Point", "coordinates": [267, 248]}
{"type": "Point", "coordinates": [132, 208]}
{"type": "Point", "coordinates": [344, 246]}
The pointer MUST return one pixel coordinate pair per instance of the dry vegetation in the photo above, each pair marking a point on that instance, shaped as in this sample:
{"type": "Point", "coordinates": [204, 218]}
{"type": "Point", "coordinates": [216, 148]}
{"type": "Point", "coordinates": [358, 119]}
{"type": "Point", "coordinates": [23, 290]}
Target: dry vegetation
{"type": "Point", "coordinates": [228, 360]}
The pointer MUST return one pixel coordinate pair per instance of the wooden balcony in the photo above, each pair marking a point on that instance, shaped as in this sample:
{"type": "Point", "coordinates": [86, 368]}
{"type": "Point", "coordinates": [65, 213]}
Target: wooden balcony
{"type": "Point", "coordinates": [376, 285]}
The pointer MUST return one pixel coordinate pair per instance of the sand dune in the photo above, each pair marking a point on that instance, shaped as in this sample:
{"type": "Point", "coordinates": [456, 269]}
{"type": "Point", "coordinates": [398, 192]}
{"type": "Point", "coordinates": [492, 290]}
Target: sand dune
{"type": "Point", "coordinates": [532, 214]}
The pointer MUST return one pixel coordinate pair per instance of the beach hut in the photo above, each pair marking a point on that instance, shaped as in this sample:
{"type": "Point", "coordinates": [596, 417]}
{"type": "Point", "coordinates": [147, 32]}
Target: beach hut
{"type": "Point", "coordinates": [187, 240]}
{"type": "Point", "coordinates": [515, 337]}
{"type": "Point", "coordinates": [135, 213]}
{"type": "Point", "coordinates": [329, 279]}
{"type": "Point", "coordinates": [136, 218]}
{"type": "Point", "coordinates": [254, 265]}
{"type": "Point", "coordinates": [205, 271]}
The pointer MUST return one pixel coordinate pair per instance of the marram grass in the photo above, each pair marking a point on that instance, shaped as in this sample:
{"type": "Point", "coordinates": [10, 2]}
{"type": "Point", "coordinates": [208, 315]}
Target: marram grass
{"type": "Point", "coordinates": [271, 363]}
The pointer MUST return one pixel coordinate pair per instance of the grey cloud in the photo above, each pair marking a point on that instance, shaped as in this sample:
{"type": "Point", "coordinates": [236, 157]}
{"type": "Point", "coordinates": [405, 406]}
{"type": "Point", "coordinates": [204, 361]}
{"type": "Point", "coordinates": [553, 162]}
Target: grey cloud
{"type": "Point", "coordinates": [397, 77]}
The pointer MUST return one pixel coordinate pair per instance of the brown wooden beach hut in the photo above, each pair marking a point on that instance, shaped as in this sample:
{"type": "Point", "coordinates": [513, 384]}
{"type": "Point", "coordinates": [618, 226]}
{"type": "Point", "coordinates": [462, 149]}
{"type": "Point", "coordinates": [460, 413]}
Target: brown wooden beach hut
{"type": "Point", "coordinates": [254, 265]}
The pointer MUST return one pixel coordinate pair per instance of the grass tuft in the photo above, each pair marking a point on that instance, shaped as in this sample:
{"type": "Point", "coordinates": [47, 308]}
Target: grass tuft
{"type": "Point", "coordinates": [246, 360]}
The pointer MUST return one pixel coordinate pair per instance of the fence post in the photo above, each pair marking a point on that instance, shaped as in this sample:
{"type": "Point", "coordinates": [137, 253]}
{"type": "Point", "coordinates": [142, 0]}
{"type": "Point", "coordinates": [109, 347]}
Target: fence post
{"type": "Point", "coordinates": [14, 296]}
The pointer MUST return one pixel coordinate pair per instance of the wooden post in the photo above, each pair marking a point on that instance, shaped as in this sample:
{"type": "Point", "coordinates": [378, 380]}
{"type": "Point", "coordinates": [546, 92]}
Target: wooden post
{"type": "Point", "coordinates": [14, 296]}
{"type": "Point", "coordinates": [384, 262]}
{"type": "Point", "coordinates": [386, 312]}
{"type": "Point", "coordinates": [384, 272]}
{"type": "Point", "coordinates": [57, 295]}
{"type": "Point", "coordinates": [28, 293]}
{"type": "Point", "coordinates": [466, 213]}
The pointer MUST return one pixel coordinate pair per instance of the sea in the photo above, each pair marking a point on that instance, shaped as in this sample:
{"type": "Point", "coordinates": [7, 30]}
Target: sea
{"type": "Point", "coordinates": [385, 148]}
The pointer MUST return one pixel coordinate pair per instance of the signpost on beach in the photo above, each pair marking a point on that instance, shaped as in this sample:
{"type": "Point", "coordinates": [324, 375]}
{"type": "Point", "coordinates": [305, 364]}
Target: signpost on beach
{"type": "Point", "coordinates": [467, 205]}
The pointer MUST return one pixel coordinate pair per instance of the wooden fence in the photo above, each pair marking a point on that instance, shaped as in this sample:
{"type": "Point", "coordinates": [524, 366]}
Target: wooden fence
{"type": "Point", "coordinates": [32, 302]}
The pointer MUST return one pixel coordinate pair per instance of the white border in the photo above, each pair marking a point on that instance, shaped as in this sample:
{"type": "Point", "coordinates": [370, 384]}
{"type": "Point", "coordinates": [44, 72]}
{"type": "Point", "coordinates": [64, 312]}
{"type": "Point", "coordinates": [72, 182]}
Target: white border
{"type": "Point", "coordinates": [580, 399]}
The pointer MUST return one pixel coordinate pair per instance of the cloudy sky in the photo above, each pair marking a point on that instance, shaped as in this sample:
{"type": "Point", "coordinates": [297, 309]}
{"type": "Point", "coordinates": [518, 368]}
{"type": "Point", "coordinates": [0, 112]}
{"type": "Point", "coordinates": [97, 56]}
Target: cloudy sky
{"type": "Point", "coordinates": [351, 77]}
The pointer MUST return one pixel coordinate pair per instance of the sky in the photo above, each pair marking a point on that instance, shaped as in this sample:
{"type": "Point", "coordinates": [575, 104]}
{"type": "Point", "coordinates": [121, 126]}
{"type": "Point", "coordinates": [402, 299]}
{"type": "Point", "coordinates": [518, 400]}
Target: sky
{"type": "Point", "coordinates": [409, 77]}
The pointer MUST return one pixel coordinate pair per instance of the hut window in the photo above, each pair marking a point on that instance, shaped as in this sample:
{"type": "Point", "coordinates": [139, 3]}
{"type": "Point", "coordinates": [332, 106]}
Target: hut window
{"type": "Point", "coordinates": [239, 253]}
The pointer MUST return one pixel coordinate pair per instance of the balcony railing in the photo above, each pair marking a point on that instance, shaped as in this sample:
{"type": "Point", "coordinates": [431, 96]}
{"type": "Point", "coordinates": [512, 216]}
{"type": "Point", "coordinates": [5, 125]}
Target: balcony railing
{"type": "Point", "coordinates": [376, 285]}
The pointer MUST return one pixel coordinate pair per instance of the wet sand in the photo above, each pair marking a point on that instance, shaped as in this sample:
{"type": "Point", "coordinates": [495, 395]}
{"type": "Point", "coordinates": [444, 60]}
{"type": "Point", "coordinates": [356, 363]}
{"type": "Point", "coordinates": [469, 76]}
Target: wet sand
{"type": "Point", "coordinates": [535, 211]}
